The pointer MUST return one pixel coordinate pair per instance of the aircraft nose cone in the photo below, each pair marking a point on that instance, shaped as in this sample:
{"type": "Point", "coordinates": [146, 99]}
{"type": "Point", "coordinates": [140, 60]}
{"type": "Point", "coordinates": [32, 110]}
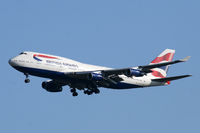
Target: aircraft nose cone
{"type": "Point", "coordinates": [10, 62]}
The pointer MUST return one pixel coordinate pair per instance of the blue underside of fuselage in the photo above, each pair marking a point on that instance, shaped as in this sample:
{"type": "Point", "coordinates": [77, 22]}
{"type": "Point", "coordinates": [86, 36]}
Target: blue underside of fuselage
{"type": "Point", "coordinates": [61, 76]}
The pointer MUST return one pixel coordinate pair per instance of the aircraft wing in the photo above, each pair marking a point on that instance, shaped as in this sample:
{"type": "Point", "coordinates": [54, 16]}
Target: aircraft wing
{"type": "Point", "coordinates": [98, 75]}
{"type": "Point", "coordinates": [164, 64]}
{"type": "Point", "coordinates": [112, 75]}
{"type": "Point", "coordinates": [144, 69]}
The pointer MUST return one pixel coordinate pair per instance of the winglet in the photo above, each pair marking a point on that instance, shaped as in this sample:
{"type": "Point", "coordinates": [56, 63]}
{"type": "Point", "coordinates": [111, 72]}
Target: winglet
{"type": "Point", "coordinates": [186, 59]}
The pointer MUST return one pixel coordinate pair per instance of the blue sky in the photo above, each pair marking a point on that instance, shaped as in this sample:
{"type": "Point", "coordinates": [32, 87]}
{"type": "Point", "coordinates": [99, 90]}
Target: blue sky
{"type": "Point", "coordinates": [110, 33]}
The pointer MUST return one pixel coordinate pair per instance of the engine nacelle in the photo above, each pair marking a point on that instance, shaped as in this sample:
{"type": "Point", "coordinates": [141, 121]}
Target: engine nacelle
{"type": "Point", "coordinates": [50, 86]}
{"type": "Point", "coordinates": [135, 72]}
{"type": "Point", "coordinates": [95, 76]}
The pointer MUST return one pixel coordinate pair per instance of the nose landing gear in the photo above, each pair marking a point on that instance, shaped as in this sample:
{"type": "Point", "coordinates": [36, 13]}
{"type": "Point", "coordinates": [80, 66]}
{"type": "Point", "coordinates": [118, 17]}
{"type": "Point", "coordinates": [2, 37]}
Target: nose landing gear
{"type": "Point", "coordinates": [27, 80]}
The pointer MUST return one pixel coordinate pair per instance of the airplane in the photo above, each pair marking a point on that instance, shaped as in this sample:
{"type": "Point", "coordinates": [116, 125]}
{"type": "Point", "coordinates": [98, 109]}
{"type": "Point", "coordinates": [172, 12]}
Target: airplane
{"type": "Point", "coordinates": [89, 78]}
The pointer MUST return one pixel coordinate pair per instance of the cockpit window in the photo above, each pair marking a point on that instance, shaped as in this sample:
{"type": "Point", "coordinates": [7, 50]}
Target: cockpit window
{"type": "Point", "coordinates": [22, 53]}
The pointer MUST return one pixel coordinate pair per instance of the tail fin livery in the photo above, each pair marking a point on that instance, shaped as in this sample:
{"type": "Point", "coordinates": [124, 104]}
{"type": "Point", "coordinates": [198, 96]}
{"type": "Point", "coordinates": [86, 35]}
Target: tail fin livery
{"type": "Point", "coordinates": [161, 72]}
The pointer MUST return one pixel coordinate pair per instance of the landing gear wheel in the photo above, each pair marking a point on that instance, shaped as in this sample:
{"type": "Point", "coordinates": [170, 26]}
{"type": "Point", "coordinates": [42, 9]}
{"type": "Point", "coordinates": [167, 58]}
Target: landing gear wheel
{"type": "Point", "coordinates": [27, 80]}
{"type": "Point", "coordinates": [89, 92]}
{"type": "Point", "coordinates": [96, 91]}
{"type": "Point", "coordinates": [85, 91]}
{"type": "Point", "coordinates": [73, 90]}
{"type": "Point", "coordinates": [74, 94]}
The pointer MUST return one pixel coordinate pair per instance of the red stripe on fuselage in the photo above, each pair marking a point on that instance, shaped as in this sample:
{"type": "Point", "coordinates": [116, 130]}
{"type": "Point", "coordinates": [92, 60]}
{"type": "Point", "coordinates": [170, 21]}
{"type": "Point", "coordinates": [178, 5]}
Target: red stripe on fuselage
{"type": "Point", "coordinates": [45, 56]}
{"type": "Point", "coordinates": [167, 57]}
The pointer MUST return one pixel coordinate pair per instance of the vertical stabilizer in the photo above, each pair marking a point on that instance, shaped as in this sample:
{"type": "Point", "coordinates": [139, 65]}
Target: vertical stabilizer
{"type": "Point", "coordinates": [161, 72]}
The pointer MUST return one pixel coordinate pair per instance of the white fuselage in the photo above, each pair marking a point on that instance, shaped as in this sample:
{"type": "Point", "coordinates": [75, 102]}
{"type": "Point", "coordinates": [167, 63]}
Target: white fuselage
{"type": "Point", "coordinates": [44, 65]}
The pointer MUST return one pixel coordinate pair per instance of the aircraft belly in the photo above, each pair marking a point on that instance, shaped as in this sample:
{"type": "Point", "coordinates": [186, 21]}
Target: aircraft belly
{"type": "Point", "coordinates": [129, 83]}
{"type": "Point", "coordinates": [41, 72]}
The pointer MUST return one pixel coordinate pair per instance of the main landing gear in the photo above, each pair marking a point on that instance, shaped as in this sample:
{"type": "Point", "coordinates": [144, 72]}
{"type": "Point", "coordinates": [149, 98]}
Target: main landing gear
{"type": "Point", "coordinates": [27, 80]}
{"type": "Point", "coordinates": [86, 91]}
{"type": "Point", "coordinates": [73, 91]}
{"type": "Point", "coordinates": [91, 91]}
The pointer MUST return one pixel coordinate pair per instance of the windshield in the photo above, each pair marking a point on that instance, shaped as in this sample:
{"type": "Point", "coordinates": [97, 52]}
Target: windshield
{"type": "Point", "coordinates": [22, 53]}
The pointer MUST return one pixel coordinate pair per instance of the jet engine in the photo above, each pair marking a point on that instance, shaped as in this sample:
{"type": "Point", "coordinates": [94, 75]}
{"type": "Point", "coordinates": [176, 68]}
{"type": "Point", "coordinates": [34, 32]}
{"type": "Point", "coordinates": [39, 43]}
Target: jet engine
{"type": "Point", "coordinates": [95, 76]}
{"type": "Point", "coordinates": [134, 72]}
{"type": "Point", "coordinates": [51, 86]}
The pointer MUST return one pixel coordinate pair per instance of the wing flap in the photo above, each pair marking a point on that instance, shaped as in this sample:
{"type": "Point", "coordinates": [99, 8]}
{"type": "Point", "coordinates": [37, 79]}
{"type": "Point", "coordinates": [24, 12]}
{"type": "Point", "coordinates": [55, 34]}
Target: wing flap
{"type": "Point", "coordinates": [115, 71]}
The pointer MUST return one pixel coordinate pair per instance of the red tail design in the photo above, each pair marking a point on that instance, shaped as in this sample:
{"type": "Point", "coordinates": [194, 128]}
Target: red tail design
{"type": "Point", "coordinates": [167, 57]}
{"type": "Point", "coordinates": [161, 72]}
{"type": "Point", "coordinates": [157, 74]}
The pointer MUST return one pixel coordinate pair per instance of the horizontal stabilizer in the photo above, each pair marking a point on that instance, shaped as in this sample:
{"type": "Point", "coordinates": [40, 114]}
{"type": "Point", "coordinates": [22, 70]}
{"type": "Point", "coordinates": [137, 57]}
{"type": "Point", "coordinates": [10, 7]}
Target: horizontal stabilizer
{"type": "Point", "coordinates": [171, 78]}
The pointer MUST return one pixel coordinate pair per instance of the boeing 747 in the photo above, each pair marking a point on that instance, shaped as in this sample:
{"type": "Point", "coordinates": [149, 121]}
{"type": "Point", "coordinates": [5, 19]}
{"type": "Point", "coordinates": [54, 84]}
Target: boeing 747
{"type": "Point", "coordinates": [89, 78]}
